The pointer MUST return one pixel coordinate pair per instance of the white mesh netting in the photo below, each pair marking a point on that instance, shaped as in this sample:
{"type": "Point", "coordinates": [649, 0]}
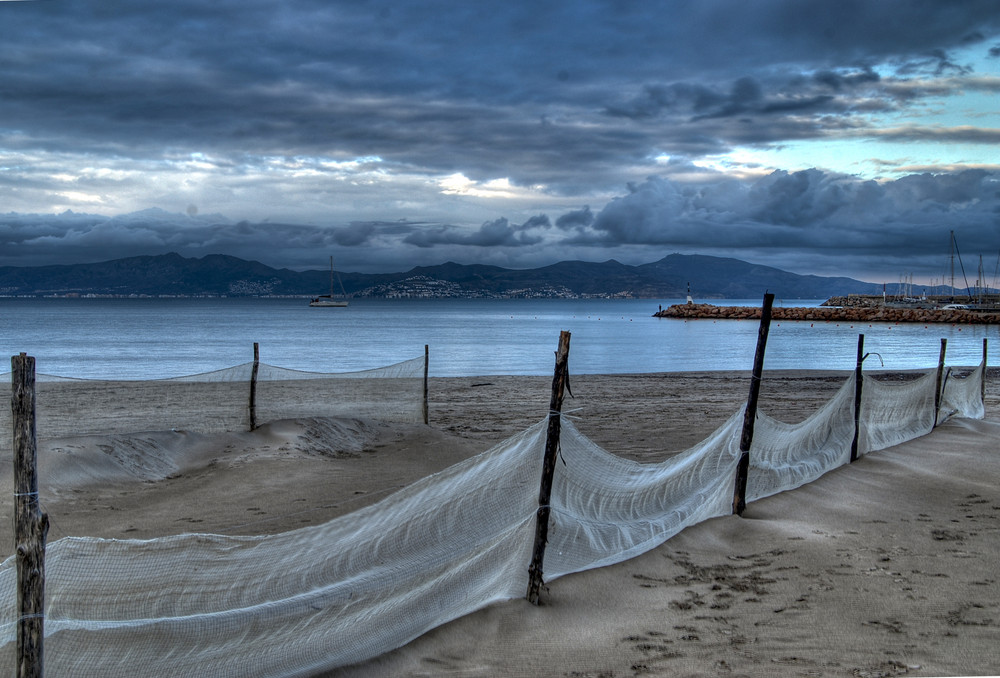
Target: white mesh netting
{"type": "Point", "coordinates": [784, 456]}
{"type": "Point", "coordinates": [292, 603]}
{"type": "Point", "coordinates": [961, 395]}
{"type": "Point", "coordinates": [370, 581]}
{"type": "Point", "coordinates": [893, 412]}
{"type": "Point", "coordinates": [220, 401]}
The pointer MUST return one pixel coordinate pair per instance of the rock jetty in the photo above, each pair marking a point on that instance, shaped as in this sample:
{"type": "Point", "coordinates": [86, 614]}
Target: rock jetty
{"type": "Point", "coordinates": [882, 314]}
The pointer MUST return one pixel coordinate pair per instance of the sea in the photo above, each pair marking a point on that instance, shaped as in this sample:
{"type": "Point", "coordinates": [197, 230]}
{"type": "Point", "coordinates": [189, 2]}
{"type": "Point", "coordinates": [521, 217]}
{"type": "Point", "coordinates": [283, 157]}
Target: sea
{"type": "Point", "coordinates": [146, 338]}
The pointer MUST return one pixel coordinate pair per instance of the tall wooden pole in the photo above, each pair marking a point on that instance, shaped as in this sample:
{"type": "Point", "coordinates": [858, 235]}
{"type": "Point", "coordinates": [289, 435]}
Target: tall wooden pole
{"type": "Point", "coordinates": [940, 379]}
{"type": "Point", "coordinates": [982, 385]}
{"type": "Point", "coordinates": [31, 526]}
{"type": "Point", "coordinates": [559, 380]}
{"type": "Point", "coordinates": [253, 386]}
{"type": "Point", "coordinates": [750, 414]}
{"type": "Point", "coordinates": [427, 357]}
{"type": "Point", "coordinates": [858, 386]}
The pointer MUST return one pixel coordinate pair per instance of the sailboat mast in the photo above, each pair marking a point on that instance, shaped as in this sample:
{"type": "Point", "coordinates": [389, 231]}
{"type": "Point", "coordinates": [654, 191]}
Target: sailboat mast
{"type": "Point", "coordinates": [331, 276]}
{"type": "Point", "coordinates": [951, 259]}
{"type": "Point", "coordinates": [980, 281]}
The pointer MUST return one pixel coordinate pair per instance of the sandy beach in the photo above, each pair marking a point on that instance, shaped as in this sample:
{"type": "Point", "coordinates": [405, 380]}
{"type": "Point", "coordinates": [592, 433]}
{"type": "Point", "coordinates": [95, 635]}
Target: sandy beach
{"type": "Point", "coordinates": [886, 567]}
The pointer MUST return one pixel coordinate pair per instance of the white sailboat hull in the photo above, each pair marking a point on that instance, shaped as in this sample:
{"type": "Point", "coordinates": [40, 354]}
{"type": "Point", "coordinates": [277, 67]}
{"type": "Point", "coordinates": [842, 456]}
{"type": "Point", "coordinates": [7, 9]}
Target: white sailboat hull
{"type": "Point", "coordinates": [328, 303]}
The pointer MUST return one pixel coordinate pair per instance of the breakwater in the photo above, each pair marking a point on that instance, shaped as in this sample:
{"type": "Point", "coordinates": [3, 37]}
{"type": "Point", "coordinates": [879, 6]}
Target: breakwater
{"type": "Point", "coordinates": [880, 314]}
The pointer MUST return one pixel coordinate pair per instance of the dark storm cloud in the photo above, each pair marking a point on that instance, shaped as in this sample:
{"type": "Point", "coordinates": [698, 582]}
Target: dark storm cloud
{"type": "Point", "coordinates": [498, 233]}
{"type": "Point", "coordinates": [839, 81]}
{"type": "Point", "coordinates": [810, 221]}
{"type": "Point", "coordinates": [28, 240]}
{"type": "Point", "coordinates": [444, 86]}
{"type": "Point", "coordinates": [354, 234]}
{"type": "Point", "coordinates": [745, 96]}
{"type": "Point", "coordinates": [576, 219]}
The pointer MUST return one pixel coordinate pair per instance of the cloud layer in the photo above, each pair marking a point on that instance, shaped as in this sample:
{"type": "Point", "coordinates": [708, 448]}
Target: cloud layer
{"type": "Point", "coordinates": [406, 132]}
{"type": "Point", "coordinates": [807, 221]}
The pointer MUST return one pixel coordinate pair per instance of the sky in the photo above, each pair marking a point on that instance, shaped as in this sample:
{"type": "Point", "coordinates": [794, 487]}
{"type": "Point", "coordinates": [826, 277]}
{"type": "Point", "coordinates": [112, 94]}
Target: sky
{"type": "Point", "coordinates": [841, 137]}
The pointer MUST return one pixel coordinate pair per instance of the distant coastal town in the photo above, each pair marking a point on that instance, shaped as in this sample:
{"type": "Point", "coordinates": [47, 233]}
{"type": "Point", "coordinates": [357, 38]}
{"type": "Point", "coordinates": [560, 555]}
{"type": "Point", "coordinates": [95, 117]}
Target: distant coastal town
{"type": "Point", "coordinates": [423, 287]}
{"type": "Point", "coordinates": [416, 287]}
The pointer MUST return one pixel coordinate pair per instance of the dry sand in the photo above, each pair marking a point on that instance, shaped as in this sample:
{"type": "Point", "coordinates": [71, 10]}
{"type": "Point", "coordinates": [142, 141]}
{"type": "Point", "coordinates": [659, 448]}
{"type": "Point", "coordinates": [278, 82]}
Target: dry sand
{"type": "Point", "coordinates": [887, 567]}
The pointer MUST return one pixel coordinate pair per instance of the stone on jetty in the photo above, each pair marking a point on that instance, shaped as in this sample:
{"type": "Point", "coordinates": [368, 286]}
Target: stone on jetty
{"type": "Point", "coordinates": [881, 314]}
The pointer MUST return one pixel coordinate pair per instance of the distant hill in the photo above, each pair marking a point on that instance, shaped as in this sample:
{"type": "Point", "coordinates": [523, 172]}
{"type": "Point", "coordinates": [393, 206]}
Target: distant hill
{"type": "Point", "coordinates": [221, 275]}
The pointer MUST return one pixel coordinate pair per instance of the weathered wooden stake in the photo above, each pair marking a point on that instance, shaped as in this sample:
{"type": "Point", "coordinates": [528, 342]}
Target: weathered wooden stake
{"type": "Point", "coordinates": [858, 386]}
{"type": "Point", "coordinates": [559, 380]}
{"type": "Point", "coordinates": [940, 380]}
{"type": "Point", "coordinates": [427, 355]}
{"type": "Point", "coordinates": [253, 386]}
{"type": "Point", "coordinates": [750, 414]}
{"type": "Point", "coordinates": [31, 526]}
{"type": "Point", "coordinates": [982, 385]}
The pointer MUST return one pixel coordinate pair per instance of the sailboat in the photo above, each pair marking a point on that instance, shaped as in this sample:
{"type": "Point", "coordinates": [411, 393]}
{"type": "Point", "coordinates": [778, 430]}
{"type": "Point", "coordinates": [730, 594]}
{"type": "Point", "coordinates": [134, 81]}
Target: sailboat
{"type": "Point", "coordinates": [328, 300]}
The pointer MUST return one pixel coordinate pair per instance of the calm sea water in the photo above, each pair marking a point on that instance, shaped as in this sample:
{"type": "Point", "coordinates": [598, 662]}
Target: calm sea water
{"type": "Point", "coordinates": [146, 338]}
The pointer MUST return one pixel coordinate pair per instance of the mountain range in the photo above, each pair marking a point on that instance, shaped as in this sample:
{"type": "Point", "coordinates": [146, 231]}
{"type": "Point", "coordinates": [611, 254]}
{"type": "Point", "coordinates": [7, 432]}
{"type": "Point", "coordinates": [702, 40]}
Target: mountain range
{"type": "Point", "coordinates": [222, 275]}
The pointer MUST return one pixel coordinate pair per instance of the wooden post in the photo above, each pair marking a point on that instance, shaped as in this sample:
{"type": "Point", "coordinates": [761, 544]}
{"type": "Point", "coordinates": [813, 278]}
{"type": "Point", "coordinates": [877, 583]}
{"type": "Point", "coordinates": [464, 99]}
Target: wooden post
{"type": "Point", "coordinates": [750, 414]}
{"type": "Point", "coordinates": [426, 367]}
{"type": "Point", "coordinates": [858, 385]}
{"type": "Point", "coordinates": [559, 380]}
{"type": "Point", "coordinates": [940, 378]}
{"type": "Point", "coordinates": [253, 386]}
{"type": "Point", "coordinates": [31, 526]}
{"type": "Point", "coordinates": [982, 384]}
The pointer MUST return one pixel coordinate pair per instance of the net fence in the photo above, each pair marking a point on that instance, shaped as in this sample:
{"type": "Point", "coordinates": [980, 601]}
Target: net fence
{"type": "Point", "coordinates": [312, 599]}
{"type": "Point", "coordinates": [219, 401]}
